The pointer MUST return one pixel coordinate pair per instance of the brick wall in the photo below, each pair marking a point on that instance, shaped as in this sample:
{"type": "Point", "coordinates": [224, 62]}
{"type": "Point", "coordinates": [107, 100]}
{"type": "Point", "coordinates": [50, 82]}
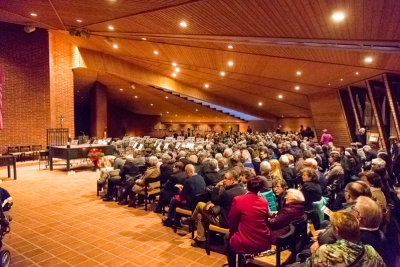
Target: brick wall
{"type": "Point", "coordinates": [24, 60]}
{"type": "Point", "coordinates": [98, 110]}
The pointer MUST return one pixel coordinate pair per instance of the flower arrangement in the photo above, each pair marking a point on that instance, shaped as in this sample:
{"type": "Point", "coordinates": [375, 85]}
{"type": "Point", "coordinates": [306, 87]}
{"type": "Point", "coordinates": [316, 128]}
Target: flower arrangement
{"type": "Point", "coordinates": [95, 156]}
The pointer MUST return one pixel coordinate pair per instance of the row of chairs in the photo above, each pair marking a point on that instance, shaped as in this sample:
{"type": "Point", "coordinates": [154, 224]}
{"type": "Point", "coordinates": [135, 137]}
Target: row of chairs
{"type": "Point", "coordinates": [24, 152]}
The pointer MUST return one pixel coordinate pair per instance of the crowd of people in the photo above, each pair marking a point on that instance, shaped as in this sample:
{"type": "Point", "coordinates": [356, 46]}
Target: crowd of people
{"type": "Point", "coordinates": [354, 185]}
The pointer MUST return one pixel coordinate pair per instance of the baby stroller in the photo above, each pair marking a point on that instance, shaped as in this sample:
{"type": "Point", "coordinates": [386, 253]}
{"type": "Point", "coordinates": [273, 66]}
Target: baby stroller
{"type": "Point", "coordinates": [5, 256]}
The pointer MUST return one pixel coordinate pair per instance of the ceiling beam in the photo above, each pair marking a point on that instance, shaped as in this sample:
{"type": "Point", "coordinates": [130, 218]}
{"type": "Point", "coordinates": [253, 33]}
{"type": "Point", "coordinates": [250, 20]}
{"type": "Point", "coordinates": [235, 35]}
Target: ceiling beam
{"type": "Point", "coordinates": [96, 60]}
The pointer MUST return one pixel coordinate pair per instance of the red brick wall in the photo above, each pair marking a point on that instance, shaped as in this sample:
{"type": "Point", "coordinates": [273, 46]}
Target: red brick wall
{"type": "Point", "coordinates": [24, 60]}
{"type": "Point", "coordinates": [98, 110]}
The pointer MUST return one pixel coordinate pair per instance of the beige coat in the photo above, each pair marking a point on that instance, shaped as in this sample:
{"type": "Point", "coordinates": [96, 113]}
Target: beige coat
{"type": "Point", "coordinates": [151, 172]}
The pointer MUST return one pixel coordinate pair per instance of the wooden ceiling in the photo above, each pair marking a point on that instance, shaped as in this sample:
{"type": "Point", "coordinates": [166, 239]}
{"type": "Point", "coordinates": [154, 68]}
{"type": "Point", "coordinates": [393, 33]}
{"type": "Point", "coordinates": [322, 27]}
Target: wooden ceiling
{"type": "Point", "coordinates": [271, 41]}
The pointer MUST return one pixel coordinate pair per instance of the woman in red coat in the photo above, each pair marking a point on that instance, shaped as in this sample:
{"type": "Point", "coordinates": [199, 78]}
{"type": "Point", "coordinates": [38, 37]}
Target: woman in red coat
{"type": "Point", "coordinates": [248, 230]}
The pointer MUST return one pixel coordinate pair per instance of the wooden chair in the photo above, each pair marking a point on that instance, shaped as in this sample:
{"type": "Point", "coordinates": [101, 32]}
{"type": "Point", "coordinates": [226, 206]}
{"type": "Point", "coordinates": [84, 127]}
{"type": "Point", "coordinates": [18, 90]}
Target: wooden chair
{"type": "Point", "coordinates": [142, 168]}
{"type": "Point", "coordinates": [195, 200]}
{"type": "Point", "coordinates": [285, 252]}
{"type": "Point", "coordinates": [26, 150]}
{"type": "Point", "coordinates": [44, 156]}
{"type": "Point", "coordinates": [153, 193]}
{"type": "Point", "coordinates": [36, 149]}
{"type": "Point", "coordinates": [14, 150]}
{"type": "Point", "coordinates": [211, 227]}
{"type": "Point", "coordinates": [301, 235]}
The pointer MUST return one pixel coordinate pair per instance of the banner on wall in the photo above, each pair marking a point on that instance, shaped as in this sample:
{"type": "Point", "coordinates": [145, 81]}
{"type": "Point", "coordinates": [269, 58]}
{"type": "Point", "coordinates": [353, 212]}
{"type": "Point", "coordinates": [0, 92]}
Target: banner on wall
{"type": "Point", "coordinates": [1, 99]}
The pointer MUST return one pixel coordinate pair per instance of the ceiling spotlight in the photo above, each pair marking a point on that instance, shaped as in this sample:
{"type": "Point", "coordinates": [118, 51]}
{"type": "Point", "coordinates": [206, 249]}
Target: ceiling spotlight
{"type": "Point", "coordinates": [115, 46]}
{"type": "Point", "coordinates": [297, 87]}
{"type": "Point", "coordinates": [78, 20]}
{"type": "Point", "coordinates": [121, 89]}
{"type": "Point", "coordinates": [280, 96]}
{"type": "Point", "coordinates": [260, 104]}
{"type": "Point", "coordinates": [174, 64]}
{"type": "Point", "coordinates": [368, 59]}
{"type": "Point", "coordinates": [166, 97]}
{"type": "Point", "coordinates": [151, 104]}
{"type": "Point", "coordinates": [206, 85]}
{"type": "Point", "coordinates": [230, 63]}
{"type": "Point", "coordinates": [135, 96]}
{"type": "Point", "coordinates": [356, 73]}
{"type": "Point", "coordinates": [329, 84]}
{"type": "Point", "coordinates": [197, 110]}
{"type": "Point", "coordinates": [183, 24]}
{"type": "Point", "coordinates": [155, 52]}
{"type": "Point", "coordinates": [338, 16]}
{"type": "Point", "coordinates": [341, 79]}
{"type": "Point", "coordinates": [174, 74]}
{"type": "Point", "coordinates": [176, 115]}
{"type": "Point", "coordinates": [111, 27]}
{"type": "Point", "coordinates": [222, 73]}
{"type": "Point", "coordinates": [133, 86]}
{"type": "Point", "coordinates": [167, 111]}
{"type": "Point", "coordinates": [29, 28]}
{"type": "Point", "coordinates": [230, 47]}
{"type": "Point", "coordinates": [144, 39]}
{"type": "Point", "coordinates": [33, 14]}
{"type": "Point", "coordinates": [298, 73]}
{"type": "Point", "coordinates": [177, 69]}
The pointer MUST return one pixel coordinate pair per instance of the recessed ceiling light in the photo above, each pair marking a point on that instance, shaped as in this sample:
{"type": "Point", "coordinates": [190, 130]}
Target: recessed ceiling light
{"type": "Point", "coordinates": [82, 97]}
{"type": "Point", "coordinates": [151, 104]}
{"type": "Point", "coordinates": [121, 89]}
{"type": "Point", "coordinates": [176, 115]}
{"type": "Point", "coordinates": [174, 74]}
{"type": "Point", "coordinates": [199, 121]}
{"type": "Point", "coordinates": [171, 121]}
{"type": "Point", "coordinates": [298, 73]}
{"type": "Point", "coordinates": [341, 79]}
{"type": "Point", "coordinates": [177, 69]}
{"type": "Point", "coordinates": [33, 14]}
{"type": "Point", "coordinates": [230, 63]}
{"type": "Point", "coordinates": [166, 97]}
{"type": "Point", "coordinates": [338, 16]}
{"type": "Point", "coordinates": [222, 73]}
{"type": "Point", "coordinates": [144, 39]}
{"type": "Point", "coordinates": [111, 27]}
{"type": "Point", "coordinates": [135, 96]}
{"type": "Point", "coordinates": [230, 47]}
{"type": "Point", "coordinates": [206, 85]}
{"type": "Point", "coordinates": [260, 104]}
{"type": "Point", "coordinates": [282, 117]}
{"type": "Point", "coordinates": [174, 64]}
{"type": "Point", "coordinates": [183, 24]}
{"type": "Point", "coordinates": [196, 110]}
{"type": "Point", "coordinates": [161, 114]}
{"type": "Point", "coordinates": [368, 59]}
{"type": "Point", "coordinates": [155, 52]}
{"type": "Point", "coordinates": [297, 87]}
{"type": "Point", "coordinates": [115, 46]}
{"type": "Point", "coordinates": [297, 115]}
{"type": "Point", "coordinates": [167, 111]}
{"type": "Point", "coordinates": [356, 73]}
{"type": "Point", "coordinates": [280, 96]}
{"type": "Point", "coordinates": [329, 84]}
{"type": "Point", "coordinates": [78, 20]}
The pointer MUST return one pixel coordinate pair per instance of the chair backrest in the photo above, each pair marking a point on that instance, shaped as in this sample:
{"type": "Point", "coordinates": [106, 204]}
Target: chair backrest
{"type": "Point", "coordinates": [24, 148]}
{"type": "Point", "coordinates": [148, 181]}
{"type": "Point", "coordinates": [203, 197]}
{"type": "Point", "coordinates": [142, 168]}
{"type": "Point", "coordinates": [284, 242]}
{"type": "Point", "coordinates": [13, 149]}
{"type": "Point", "coordinates": [36, 147]}
{"type": "Point", "coordinates": [301, 231]}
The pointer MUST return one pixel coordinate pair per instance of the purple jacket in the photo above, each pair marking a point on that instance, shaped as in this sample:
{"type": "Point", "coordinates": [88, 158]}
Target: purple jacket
{"type": "Point", "coordinates": [326, 138]}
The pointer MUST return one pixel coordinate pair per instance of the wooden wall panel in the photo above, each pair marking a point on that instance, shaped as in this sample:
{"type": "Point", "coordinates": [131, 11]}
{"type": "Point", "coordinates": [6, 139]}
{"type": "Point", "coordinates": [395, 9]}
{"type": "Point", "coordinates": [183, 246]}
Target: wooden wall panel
{"type": "Point", "coordinates": [328, 114]}
{"type": "Point", "coordinates": [293, 124]}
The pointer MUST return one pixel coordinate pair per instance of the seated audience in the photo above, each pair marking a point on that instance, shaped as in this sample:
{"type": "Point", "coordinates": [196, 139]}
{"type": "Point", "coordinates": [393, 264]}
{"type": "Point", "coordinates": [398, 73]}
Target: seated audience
{"type": "Point", "coordinates": [374, 181]}
{"type": "Point", "coordinates": [275, 171]}
{"type": "Point", "coordinates": [265, 168]}
{"type": "Point", "coordinates": [247, 159]}
{"type": "Point", "coordinates": [312, 163]}
{"type": "Point", "coordinates": [138, 158]}
{"type": "Point", "coordinates": [280, 187]}
{"type": "Point", "coordinates": [248, 230]}
{"type": "Point", "coordinates": [222, 167]}
{"type": "Point", "coordinates": [212, 177]}
{"type": "Point", "coordinates": [245, 175]}
{"type": "Point", "coordinates": [335, 172]}
{"type": "Point", "coordinates": [310, 188]}
{"type": "Point", "coordinates": [216, 211]}
{"type": "Point", "coordinates": [166, 167]}
{"type": "Point", "coordinates": [288, 173]}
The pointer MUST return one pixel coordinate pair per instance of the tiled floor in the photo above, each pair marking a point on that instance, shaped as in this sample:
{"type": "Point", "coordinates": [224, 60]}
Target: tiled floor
{"type": "Point", "coordinates": [59, 221]}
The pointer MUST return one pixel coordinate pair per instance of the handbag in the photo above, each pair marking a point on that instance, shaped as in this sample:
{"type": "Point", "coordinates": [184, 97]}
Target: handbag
{"type": "Point", "coordinates": [214, 210]}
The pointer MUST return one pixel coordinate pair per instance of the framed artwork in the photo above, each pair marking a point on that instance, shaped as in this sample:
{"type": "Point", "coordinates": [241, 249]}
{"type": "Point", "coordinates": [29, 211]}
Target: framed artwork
{"type": "Point", "coordinates": [74, 142]}
{"type": "Point", "coordinates": [199, 128]}
{"type": "Point", "coordinates": [160, 127]}
{"type": "Point", "coordinates": [95, 142]}
{"type": "Point", "coordinates": [174, 129]}
{"type": "Point", "coordinates": [196, 128]}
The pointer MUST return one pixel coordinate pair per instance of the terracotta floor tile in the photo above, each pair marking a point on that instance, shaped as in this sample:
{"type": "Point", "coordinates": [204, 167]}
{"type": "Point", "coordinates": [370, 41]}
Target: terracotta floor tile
{"type": "Point", "coordinates": [206, 260]}
{"type": "Point", "coordinates": [51, 262]}
{"type": "Point", "coordinates": [68, 255]}
{"type": "Point", "coordinates": [181, 262]}
{"type": "Point", "coordinates": [116, 262]}
{"type": "Point", "coordinates": [23, 263]}
{"type": "Point", "coordinates": [41, 257]}
{"type": "Point", "coordinates": [77, 259]}
{"type": "Point", "coordinates": [93, 253]}
{"type": "Point", "coordinates": [129, 264]}
{"type": "Point", "coordinates": [141, 260]}
{"type": "Point", "coordinates": [88, 263]}
{"type": "Point", "coordinates": [103, 257]}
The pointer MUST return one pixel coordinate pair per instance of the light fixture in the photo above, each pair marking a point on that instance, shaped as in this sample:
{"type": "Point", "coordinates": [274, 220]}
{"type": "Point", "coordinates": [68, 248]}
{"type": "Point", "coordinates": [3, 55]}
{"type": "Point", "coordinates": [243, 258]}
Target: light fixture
{"type": "Point", "coordinates": [174, 74]}
{"type": "Point", "coordinates": [174, 64]}
{"type": "Point", "coordinates": [260, 104]}
{"type": "Point", "coordinates": [356, 73]}
{"type": "Point", "coordinates": [183, 24]}
{"type": "Point", "coordinates": [135, 96]}
{"type": "Point", "coordinates": [341, 79]}
{"type": "Point", "coordinates": [196, 110]}
{"type": "Point", "coordinates": [338, 16]}
{"type": "Point", "coordinates": [115, 46]}
{"type": "Point", "coordinates": [368, 59]}
{"type": "Point", "coordinates": [222, 73]}
{"type": "Point", "coordinates": [298, 73]}
{"type": "Point", "coordinates": [230, 47]}
{"type": "Point", "coordinates": [33, 14]}
{"type": "Point", "coordinates": [29, 28]}
{"type": "Point", "coordinates": [280, 96]}
{"type": "Point", "coordinates": [166, 97]}
{"type": "Point", "coordinates": [230, 63]}
{"type": "Point", "coordinates": [106, 39]}
{"type": "Point", "coordinates": [177, 69]}
{"type": "Point", "coordinates": [121, 89]}
{"type": "Point", "coordinates": [78, 20]}
{"type": "Point", "coordinates": [206, 85]}
{"type": "Point", "coordinates": [133, 86]}
{"type": "Point", "coordinates": [329, 84]}
{"type": "Point", "coordinates": [297, 115]}
{"type": "Point", "coordinates": [111, 27]}
{"type": "Point", "coordinates": [151, 104]}
{"type": "Point", "coordinates": [155, 52]}
{"type": "Point", "coordinates": [176, 115]}
{"type": "Point", "coordinates": [167, 111]}
{"type": "Point", "coordinates": [282, 117]}
{"type": "Point", "coordinates": [297, 87]}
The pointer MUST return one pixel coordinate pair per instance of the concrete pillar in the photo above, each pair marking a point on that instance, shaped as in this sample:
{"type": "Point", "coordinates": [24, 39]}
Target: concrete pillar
{"type": "Point", "coordinates": [98, 110]}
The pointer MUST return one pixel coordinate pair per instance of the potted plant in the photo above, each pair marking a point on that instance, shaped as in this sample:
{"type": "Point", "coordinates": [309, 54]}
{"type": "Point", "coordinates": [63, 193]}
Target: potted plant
{"type": "Point", "coordinates": [95, 156]}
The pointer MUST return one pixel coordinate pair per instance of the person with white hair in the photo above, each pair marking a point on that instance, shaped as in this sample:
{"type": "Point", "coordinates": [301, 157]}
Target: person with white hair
{"type": "Point", "coordinates": [292, 211]}
{"type": "Point", "coordinates": [361, 137]}
{"type": "Point", "coordinates": [246, 158]}
{"type": "Point", "coordinates": [288, 174]}
{"type": "Point", "coordinates": [138, 158]}
{"type": "Point", "coordinates": [212, 177]}
{"type": "Point", "coordinates": [138, 188]}
{"type": "Point", "coordinates": [312, 163]}
{"type": "Point", "coordinates": [265, 168]}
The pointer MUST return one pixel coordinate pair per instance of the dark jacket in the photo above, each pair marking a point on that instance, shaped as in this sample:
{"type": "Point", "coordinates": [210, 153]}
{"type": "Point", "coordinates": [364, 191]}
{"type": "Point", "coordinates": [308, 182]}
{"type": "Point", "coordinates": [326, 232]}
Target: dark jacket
{"type": "Point", "coordinates": [279, 225]}
{"type": "Point", "coordinates": [184, 161]}
{"type": "Point", "coordinates": [267, 181]}
{"type": "Point", "coordinates": [280, 201]}
{"type": "Point", "coordinates": [361, 138]}
{"type": "Point", "coordinates": [166, 171]}
{"type": "Point", "coordinates": [169, 189]}
{"type": "Point", "coordinates": [257, 166]}
{"type": "Point", "coordinates": [288, 174]}
{"type": "Point", "coordinates": [194, 185]}
{"type": "Point", "coordinates": [248, 224]}
{"type": "Point", "coordinates": [324, 162]}
{"type": "Point", "coordinates": [224, 200]}
{"type": "Point", "coordinates": [204, 167]}
{"type": "Point", "coordinates": [312, 192]}
{"type": "Point", "coordinates": [212, 178]}
{"type": "Point", "coordinates": [130, 169]}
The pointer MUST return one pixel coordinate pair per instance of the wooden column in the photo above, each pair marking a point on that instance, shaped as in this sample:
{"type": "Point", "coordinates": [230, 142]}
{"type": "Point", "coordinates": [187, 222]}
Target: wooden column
{"type": "Point", "coordinates": [387, 79]}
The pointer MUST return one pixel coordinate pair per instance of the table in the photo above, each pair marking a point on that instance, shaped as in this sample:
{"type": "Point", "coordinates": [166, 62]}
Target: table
{"type": "Point", "coordinates": [76, 152]}
{"type": "Point", "coordinates": [7, 160]}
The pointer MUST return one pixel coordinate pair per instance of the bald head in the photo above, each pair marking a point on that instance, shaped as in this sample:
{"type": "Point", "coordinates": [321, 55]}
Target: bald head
{"type": "Point", "coordinates": [355, 190]}
{"type": "Point", "coordinates": [189, 170]}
